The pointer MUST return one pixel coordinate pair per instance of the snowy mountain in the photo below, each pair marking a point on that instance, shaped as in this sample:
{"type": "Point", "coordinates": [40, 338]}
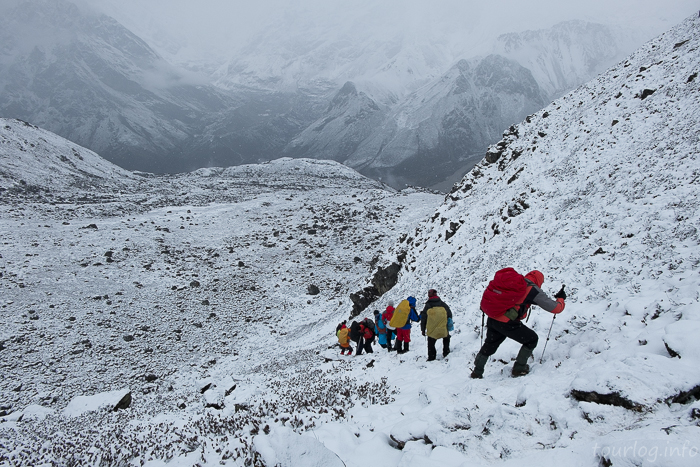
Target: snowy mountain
{"type": "Point", "coordinates": [568, 54]}
{"type": "Point", "coordinates": [386, 49]}
{"type": "Point", "coordinates": [442, 125]}
{"type": "Point", "coordinates": [447, 123]}
{"type": "Point", "coordinates": [87, 78]}
{"type": "Point", "coordinates": [350, 118]}
{"type": "Point", "coordinates": [178, 324]}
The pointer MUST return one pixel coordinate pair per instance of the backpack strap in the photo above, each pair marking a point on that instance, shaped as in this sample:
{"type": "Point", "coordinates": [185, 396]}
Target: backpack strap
{"type": "Point", "coordinates": [528, 300]}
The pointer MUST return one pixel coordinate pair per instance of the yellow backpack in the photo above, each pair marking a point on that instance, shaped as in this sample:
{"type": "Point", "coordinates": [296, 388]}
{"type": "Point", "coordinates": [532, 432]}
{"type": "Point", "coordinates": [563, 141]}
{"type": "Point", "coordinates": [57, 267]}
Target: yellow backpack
{"type": "Point", "coordinates": [400, 317]}
{"type": "Point", "coordinates": [437, 323]}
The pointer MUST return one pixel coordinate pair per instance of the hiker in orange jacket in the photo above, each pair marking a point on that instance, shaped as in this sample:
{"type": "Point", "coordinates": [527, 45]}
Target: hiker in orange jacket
{"type": "Point", "coordinates": [344, 339]}
{"type": "Point", "coordinates": [510, 325]}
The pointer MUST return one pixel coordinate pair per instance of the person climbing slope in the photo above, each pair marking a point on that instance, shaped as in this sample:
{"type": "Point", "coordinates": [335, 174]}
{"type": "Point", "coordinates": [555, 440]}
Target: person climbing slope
{"type": "Point", "coordinates": [366, 336]}
{"type": "Point", "coordinates": [434, 321]}
{"type": "Point", "coordinates": [506, 302]}
{"type": "Point", "coordinates": [380, 329]}
{"type": "Point", "coordinates": [401, 321]}
{"type": "Point", "coordinates": [386, 318]}
{"type": "Point", "coordinates": [343, 339]}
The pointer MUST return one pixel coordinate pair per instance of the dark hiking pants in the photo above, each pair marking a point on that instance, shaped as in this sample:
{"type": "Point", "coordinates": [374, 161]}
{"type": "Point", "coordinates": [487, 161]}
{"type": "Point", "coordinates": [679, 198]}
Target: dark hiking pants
{"type": "Point", "coordinates": [365, 345]}
{"type": "Point", "coordinates": [432, 352]}
{"type": "Point", "coordinates": [497, 332]}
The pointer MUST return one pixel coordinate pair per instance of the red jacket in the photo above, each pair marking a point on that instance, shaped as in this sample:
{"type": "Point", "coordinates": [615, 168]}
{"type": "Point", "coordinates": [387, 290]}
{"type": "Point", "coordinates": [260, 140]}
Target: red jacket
{"type": "Point", "coordinates": [387, 315]}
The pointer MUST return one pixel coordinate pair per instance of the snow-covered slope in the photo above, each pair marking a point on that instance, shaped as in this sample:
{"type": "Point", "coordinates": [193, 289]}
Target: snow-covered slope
{"type": "Point", "coordinates": [33, 158]}
{"type": "Point", "coordinates": [600, 191]}
{"type": "Point", "coordinates": [135, 289]}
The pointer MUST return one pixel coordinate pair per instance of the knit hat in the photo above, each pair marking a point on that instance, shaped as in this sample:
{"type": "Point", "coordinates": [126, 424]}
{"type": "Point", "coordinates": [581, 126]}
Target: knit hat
{"type": "Point", "coordinates": [412, 301]}
{"type": "Point", "coordinates": [432, 293]}
{"type": "Point", "coordinates": [391, 303]}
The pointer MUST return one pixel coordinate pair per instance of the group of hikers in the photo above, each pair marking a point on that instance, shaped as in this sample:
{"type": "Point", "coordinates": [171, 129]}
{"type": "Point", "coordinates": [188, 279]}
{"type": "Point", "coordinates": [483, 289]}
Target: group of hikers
{"type": "Point", "coordinates": [395, 323]}
{"type": "Point", "coordinates": [506, 302]}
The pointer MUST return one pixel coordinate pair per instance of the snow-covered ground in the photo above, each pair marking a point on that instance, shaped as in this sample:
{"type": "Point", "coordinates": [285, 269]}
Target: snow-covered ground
{"type": "Point", "coordinates": [157, 287]}
{"type": "Point", "coordinates": [202, 312]}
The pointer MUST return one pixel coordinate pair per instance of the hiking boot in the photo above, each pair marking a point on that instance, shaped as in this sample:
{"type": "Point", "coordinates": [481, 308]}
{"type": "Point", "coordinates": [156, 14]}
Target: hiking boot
{"type": "Point", "coordinates": [405, 347]}
{"type": "Point", "coordinates": [430, 359]}
{"type": "Point", "coordinates": [521, 368]}
{"type": "Point", "coordinates": [399, 347]}
{"type": "Point", "coordinates": [479, 364]}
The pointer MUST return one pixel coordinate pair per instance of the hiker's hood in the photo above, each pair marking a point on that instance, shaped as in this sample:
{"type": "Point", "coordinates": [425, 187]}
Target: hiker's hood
{"type": "Point", "coordinates": [536, 277]}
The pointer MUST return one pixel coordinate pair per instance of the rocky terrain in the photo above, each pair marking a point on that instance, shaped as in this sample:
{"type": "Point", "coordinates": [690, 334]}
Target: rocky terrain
{"type": "Point", "coordinates": [147, 283]}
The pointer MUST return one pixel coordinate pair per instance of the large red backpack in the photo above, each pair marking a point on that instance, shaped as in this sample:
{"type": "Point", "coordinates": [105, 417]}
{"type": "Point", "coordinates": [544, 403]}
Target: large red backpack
{"type": "Point", "coordinates": [507, 290]}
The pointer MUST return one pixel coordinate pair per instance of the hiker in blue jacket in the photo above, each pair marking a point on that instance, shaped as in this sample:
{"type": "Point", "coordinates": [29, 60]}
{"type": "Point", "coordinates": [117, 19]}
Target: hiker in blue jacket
{"type": "Point", "coordinates": [380, 329]}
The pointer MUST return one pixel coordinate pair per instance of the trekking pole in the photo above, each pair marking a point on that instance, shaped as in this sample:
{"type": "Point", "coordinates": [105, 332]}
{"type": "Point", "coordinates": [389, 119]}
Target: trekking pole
{"type": "Point", "coordinates": [558, 294]}
{"type": "Point", "coordinates": [550, 332]}
{"type": "Point", "coordinates": [482, 328]}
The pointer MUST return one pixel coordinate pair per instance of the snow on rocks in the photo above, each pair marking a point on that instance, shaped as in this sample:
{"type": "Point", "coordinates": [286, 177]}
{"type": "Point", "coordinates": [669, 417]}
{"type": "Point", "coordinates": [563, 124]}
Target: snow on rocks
{"type": "Point", "coordinates": [285, 448]}
{"type": "Point", "coordinates": [112, 400]}
{"type": "Point", "coordinates": [681, 340]}
{"type": "Point", "coordinates": [637, 382]}
{"type": "Point", "coordinates": [37, 412]}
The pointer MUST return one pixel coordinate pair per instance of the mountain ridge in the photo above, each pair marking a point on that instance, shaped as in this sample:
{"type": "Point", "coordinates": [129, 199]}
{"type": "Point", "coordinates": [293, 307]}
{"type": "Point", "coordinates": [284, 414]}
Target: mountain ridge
{"type": "Point", "coordinates": [84, 76]}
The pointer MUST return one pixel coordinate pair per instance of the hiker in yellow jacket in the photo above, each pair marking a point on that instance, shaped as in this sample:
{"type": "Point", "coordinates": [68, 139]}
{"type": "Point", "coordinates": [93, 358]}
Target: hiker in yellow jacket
{"type": "Point", "coordinates": [435, 320]}
{"type": "Point", "coordinates": [344, 340]}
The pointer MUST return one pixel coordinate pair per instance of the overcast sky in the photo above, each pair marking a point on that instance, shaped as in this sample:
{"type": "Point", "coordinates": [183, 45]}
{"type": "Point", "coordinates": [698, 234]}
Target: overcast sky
{"type": "Point", "coordinates": [185, 30]}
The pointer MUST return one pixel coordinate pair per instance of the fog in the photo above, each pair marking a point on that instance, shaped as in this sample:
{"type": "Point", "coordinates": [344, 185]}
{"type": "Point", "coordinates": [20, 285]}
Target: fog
{"type": "Point", "coordinates": [213, 31]}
